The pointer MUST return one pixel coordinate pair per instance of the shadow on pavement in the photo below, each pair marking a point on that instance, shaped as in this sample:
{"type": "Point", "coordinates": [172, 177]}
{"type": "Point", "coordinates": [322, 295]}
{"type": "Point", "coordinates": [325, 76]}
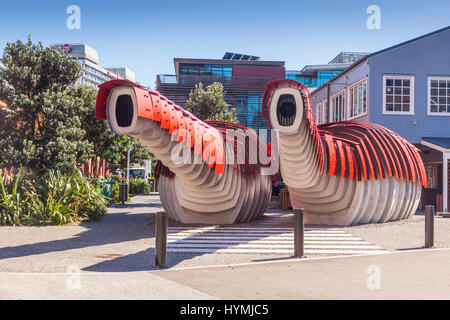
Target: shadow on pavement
{"type": "Point", "coordinates": [113, 228]}
{"type": "Point", "coordinates": [121, 224]}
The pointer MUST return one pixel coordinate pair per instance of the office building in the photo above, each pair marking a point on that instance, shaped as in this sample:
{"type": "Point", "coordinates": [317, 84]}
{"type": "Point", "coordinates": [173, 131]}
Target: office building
{"type": "Point", "coordinates": [313, 76]}
{"type": "Point", "coordinates": [243, 76]}
{"type": "Point", "coordinates": [92, 73]}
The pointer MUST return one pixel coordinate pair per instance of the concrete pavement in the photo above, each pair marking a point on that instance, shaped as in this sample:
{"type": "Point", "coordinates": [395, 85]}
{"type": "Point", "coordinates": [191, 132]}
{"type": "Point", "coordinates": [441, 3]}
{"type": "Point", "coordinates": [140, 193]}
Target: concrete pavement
{"type": "Point", "coordinates": [94, 286]}
{"type": "Point", "coordinates": [421, 274]}
{"type": "Point", "coordinates": [113, 259]}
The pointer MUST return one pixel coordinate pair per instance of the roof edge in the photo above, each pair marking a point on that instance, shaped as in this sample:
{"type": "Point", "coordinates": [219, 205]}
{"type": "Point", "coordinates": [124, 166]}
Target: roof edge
{"type": "Point", "coordinates": [410, 41]}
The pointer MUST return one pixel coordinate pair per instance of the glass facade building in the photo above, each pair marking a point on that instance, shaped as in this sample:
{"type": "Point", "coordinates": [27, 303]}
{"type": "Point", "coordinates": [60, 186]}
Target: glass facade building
{"type": "Point", "coordinates": [206, 69]}
{"type": "Point", "coordinates": [243, 79]}
{"type": "Point", "coordinates": [314, 76]}
{"type": "Point", "coordinates": [92, 73]}
{"type": "Point", "coordinates": [312, 81]}
{"type": "Point", "coordinates": [248, 109]}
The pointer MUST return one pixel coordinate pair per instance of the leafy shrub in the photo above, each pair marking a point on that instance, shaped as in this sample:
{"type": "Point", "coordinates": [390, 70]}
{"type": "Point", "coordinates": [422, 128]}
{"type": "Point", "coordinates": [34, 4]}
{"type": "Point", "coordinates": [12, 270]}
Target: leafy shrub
{"type": "Point", "coordinates": [12, 202]}
{"type": "Point", "coordinates": [56, 198]}
{"type": "Point", "coordinates": [111, 192]}
{"type": "Point", "coordinates": [139, 186]}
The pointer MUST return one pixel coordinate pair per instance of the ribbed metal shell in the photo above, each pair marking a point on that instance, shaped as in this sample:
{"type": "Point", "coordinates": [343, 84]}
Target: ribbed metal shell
{"type": "Point", "coordinates": [348, 172]}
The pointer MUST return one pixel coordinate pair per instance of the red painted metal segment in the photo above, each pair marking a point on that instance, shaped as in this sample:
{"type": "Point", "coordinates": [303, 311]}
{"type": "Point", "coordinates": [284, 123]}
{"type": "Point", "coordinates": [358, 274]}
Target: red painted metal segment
{"type": "Point", "coordinates": [332, 155]}
{"type": "Point", "coordinates": [342, 159]}
{"type": "Point", "coordinates": [351, 165]}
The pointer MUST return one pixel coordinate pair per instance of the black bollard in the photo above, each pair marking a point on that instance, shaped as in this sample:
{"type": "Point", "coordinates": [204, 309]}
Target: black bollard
{"type": "Point", "coordinates": [299, 234]}
{"type": "Point", "coordinates": [161, 239]}
{"type": "Point", "coordinates": [429, 226]}
{"type": "Point", "coordinates": [123, 192]}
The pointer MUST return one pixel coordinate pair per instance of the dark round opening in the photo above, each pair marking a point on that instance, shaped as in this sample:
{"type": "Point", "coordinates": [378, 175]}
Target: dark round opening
{"type": "Point", "coordinates": [286, 110]}
{"type": "Point", "coordinates": [124, 110]}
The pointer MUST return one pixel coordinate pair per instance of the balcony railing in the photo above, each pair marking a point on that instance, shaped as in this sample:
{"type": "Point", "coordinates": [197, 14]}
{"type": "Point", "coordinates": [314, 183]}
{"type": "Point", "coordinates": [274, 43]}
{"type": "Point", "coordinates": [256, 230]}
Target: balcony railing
{"type": "Point", "coordinates": [235, 81]}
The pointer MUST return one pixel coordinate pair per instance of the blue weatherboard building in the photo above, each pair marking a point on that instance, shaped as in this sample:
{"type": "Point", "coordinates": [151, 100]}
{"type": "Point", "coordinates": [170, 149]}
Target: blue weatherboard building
{"type": "Point", "coordinates": [405, 88]}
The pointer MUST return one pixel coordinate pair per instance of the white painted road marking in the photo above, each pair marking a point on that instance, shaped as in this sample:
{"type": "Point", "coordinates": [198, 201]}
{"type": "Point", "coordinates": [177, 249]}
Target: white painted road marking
{"type": "Point", "coordinates": [248, 240]}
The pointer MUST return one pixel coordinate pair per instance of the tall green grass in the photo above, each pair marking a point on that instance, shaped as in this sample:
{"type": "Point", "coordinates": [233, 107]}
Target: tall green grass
{"type": "Point", "coordinates": [55, 198]}
{"type": "Point", "coordinates": [12, 202]}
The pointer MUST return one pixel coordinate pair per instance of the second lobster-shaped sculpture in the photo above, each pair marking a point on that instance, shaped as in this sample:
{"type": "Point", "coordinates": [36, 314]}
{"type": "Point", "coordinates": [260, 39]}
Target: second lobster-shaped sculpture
{"type": "Point", "coordinates": [341, 173]}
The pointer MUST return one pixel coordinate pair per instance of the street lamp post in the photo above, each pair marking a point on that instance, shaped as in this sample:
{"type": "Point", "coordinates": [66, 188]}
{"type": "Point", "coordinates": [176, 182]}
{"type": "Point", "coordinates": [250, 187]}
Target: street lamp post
{"type": "Point", "coordinates": [128, 166]}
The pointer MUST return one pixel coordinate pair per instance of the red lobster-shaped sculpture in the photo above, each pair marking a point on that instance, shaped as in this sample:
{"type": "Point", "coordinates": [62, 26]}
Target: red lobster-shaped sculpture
{"type": "Point", "coordinates": [200, 181]}
{"type": "Point", "coordinates": [341, 173]}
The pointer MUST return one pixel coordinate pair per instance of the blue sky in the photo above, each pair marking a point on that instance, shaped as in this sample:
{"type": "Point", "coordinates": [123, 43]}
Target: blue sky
{"type": "Point", "coordinates": [146, 35]}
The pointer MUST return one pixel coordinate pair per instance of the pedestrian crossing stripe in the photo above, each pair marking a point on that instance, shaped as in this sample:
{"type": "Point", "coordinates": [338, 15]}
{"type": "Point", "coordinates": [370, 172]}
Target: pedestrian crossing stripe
{"type": "Point", "coordinates": [278, 251]}
{"type": "Point", "coordinates": [262, 240]}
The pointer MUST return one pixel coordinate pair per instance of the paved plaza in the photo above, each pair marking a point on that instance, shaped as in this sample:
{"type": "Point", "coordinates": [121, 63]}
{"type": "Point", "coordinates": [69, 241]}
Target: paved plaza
{"type": "Point", "coordinates": [114, 258]}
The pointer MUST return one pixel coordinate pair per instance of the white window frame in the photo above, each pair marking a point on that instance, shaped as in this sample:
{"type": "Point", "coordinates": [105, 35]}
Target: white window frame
{"type": "Point", "coordinates": [325, 115]}
{"type": "Point", "coordinates": [435, 114]}
{"type": "Point", "coordinates": [344, 105]}
{"type": "Point", "coordinates": [319, 113]}
{"type": "Point", "coordinates": [411, 95]}
{"type": "Point", "coordinates": [350, 103]}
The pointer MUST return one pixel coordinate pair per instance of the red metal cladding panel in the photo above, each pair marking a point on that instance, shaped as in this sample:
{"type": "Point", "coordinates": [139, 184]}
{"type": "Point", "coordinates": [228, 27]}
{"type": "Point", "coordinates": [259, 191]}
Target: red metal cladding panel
{"type": "Point", "coordinates": [144, 103]}
{"type": "Point", "coordinates": [414, 162]}
{"type": "Point", "coordinates": [398, 151]}
{"type": "Point", "coordinates": [379, 154]}
{"type": "Point", "coordinates": [351, 164]}
{"type": "Point", "coordinates": [165, 115]}
{"type": "Point", "coordinates": [173, 120]}
{"type": "Point", "coordinates": [332, 155]}
{"type": "Point", "coordinates": [388, 158]}
{"type": "Point", "coordinates": [342, 159]}
{"type": "Point", "coordinates": [409, 167]}
{"type": "Point", "coordinates": [206, 144]}
{"type": "Point", "coordinates": [190, 132]}
{"type": "Point", "coordinates": [181, 127]}
{"type": "Point", "coordinates": [100, 104]}
{"type": "Point", "coordinates": [198, 138]}
{"type": "Point", "coordinates": [393, 151]}
{"type": "Point", "coordinates": [365, 141]}
{"type": "Point", "coordinates": [157, 110]}
{"type": "Point", "coordinates": [369, 160]}
{"type": "Point", "coordinates": [363, 162]}
{"type": "Point", "coordinates": [423, 172]}
{"type": "Point", "coordinates": [212, 151]}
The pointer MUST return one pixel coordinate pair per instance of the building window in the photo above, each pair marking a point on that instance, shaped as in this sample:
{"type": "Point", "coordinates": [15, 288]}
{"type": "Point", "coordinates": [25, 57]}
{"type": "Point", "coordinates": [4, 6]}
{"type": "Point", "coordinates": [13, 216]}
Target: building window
{"type": "Point", "coordinates": [338, 106]}
{"type": "Point", "coordinates": [206, 69]}
{"type": "Point", "coordinates": [322, 112]}
{"type": "Point", "coordinates": [398, 95]}
{"type": "Point", "coordinates": [439, 96]}
{"type": "Point", "coordinates": [248, 109]}
{"type": "Point", "coordinates": [318, 113]}
{"type": "Point", "coordinates": [325, 116]}
{"type": "Point", "coordinates": [358, 99]}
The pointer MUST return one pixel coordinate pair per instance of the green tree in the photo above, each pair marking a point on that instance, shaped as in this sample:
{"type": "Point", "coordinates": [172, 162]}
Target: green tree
{"type": "Point", "coordinates": [106, 144]}
{"type": "Point", "coordinates": [209, 104]}
{"type": "Point", "coordinates": [48, 132]}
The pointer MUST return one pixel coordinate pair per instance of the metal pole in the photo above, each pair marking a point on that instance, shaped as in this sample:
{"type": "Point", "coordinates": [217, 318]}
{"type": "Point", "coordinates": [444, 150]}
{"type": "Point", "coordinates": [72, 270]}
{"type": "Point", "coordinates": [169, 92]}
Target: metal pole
{"type": "Point", "coordinates": [429, 226]}
{"type": "Point", "coordinates": [128, 166]}
{"type": "Point", "coordinates": [161, 239]}
{"type": "Point", "coordinates": [445, 183]}
{"type": "Point", "coordinates": [299, 233]}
